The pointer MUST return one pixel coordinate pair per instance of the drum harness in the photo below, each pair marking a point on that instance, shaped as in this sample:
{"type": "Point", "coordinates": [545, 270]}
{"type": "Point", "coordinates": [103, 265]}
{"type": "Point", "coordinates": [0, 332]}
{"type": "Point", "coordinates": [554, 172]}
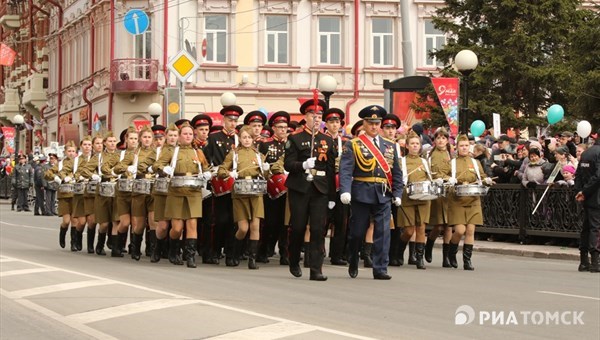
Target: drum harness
{"type": "Point", "coordinates": [174, 162]}
{"type": "Point", "coordinates": [429, 159]}
{"type": "Point", "coordinates": [405, 179]}
{"type": "Point", "coordinates": [258, 160]}
{"type": "Point", "coordinates": [453, 163]}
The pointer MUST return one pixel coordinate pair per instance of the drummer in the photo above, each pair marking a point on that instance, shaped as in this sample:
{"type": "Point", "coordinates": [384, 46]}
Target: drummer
{"type": "Point", "coordinates": [78, 201]}
{"type": "Point", "coordinates": [439, 163]}
{"type": "Point", "coordinates": [184, 204]}
{"type": "Point", "coordinates": [62, 172]}
{"type": "Point", "coordinates": [464, 212]}
{"type": "Point", "coordinates": [414, 214]}
{"type": "Point", "coordinates": [84, 210]}
{"type": "Point", "coordinates": [90, 197]}
{"type": "Point", "coordinates": [246, 207]}
{"type": "Point", "coordinates": [255, 120]}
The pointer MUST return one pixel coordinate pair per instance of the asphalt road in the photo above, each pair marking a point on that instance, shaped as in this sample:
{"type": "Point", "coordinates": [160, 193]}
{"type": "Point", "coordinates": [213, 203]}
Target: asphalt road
{"type": "Point", "coordinates": [51, 293]}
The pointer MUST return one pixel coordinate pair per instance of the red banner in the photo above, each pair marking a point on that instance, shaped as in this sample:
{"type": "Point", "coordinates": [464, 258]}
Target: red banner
{"type": "Point", "coordinates": [9, 139]}
{"type": "Point", "coordinates": [139, 124]}
{"type": "Point", "coordinates": [7, 55]}
{"type": "Point", "coordinates": [447, 91]}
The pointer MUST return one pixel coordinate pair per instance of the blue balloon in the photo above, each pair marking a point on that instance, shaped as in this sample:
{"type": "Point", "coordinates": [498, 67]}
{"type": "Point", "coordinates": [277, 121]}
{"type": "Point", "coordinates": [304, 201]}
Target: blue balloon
{"type": "Point", "coordinates": [264, 111]}
{"type": "Point", "coordinates": [477, 128]}
{"type": "Point", "coordinates": [555, 114]}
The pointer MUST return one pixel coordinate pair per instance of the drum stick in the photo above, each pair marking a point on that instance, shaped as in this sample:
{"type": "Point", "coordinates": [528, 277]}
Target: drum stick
{"type": "Point", "coordinates": [416, 169]}
{"type": "Point", "coordinates": [493, 178]}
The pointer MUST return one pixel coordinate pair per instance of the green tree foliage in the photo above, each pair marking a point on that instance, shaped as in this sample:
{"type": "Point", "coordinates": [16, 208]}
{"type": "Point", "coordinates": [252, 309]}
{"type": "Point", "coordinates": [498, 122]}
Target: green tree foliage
{"type": "Point", "coordinates": [532, 54]}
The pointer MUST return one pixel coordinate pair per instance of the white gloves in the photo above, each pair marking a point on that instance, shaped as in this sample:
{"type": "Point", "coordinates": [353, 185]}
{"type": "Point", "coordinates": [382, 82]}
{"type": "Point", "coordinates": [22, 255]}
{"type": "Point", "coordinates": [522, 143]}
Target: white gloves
{"type": "Point", "coordinates": [150, 170]}
{"type": "Point", "coordinates": [67, 179]}
{"type": "Point", "coordinates": [57, 179]}
{"type": "Point", "coordinates": [488, 181]}
{"type": "Point", "coordinates": [331, 205]}
{"type": "Point", "coordinates": [438, 181]}
{"type": "Point", "coordinates": [286, 172]}
{"type": "Point", "coordinates": [207, 175]}
{"type": "Point", "coordinates": [81, 179]}
{"type": "Point", "coordinates": [345, 198]}
{"type": "Point", "coordinates": [452, 181]}
{"type": "Point", "coordinates": [112, 172]}
{"type": "Point", "coordinates": [168, 170]}
{"type": "Point", "coordinates": [266, 166]}
{"type": "Point", "coordinates": [397, 201]}
{"type": "Point", "coordinates": [96, 177]}
{"type": "Point", "coordinates": [571, 182]}
{"type": "Point", "coordinates": [309, 163]}
{"type": "Point", "coordinates": [132, 169]}
{"type": "Point", "coordinates": [233, 174]}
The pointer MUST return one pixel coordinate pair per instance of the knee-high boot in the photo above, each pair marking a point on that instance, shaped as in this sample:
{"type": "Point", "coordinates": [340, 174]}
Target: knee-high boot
{"type": "Point", "coordinates": [584, 261]}
{"type": "Point", "coordinates": [73, 239]}
{"type": "Point", "coordinates": [117, 247]}
{"type": "Point", "coordinates": [368, 261]}
{"type": "Point", "coordinates": [158, 248]}
{"type": "Point", "coordinates": [91, 235]}
{"type": "Point", "coordinates": [190, 252]}
{"type": "Point", "coordinates": [174, 252]}
{"type": "Point", "coordinates": [412, 259]}
{"type": "Point", "coordinates": [136, 244]}
{"type": "Point", "coordinates": [147, 242]}
{"type": "Point", "coordinates": [401, 249]}
{"type": "Point", "coordinates": [79, 243]}
{"type": "Point", "coordinates": [419, 250]}
{"type": "Point", "coordinates": [467, 253]}
{"type": "Point", "coordinates": [253, 248]}
{"type": "Point", "coordinates": [452, 250]}
{"type": "Point", "coordinates": [429, 250]}
{"type": "Point", "coordinates": [100, 244]}
{"type": "Point", "coordinates": [62, 236]}
{"type": "Point", "coordinates": [445, 260]}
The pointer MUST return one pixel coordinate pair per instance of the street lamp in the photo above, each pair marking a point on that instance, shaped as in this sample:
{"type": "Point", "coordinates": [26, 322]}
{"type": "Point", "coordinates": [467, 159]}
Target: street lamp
{"type": "Point", "coordinates": [466, 62]}
{"type": "Point", "coordinates": [327, 86]}
{"type": "Point", "coordinates": [155, 109]}
{"type": "Point", "coordinates": [228, 99]}
{"type": "Point", "coordinates": [18, 121]}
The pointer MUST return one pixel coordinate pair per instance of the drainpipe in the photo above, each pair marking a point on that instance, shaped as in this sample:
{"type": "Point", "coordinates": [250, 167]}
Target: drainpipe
{"type": "Point", "coordinates": [356, 41]}
{"type": "Point", "coordinates": [112, 57]}
{"type": "Point", "coordinates": [92, 68]}
{"type": "Point", "coordinates": [44, 127]}
{"type": "Point", "coordinates": [60, 65]}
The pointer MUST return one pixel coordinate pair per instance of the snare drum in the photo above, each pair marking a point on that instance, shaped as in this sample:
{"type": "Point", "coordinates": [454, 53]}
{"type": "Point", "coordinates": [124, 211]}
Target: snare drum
{"type": "Point", "coordinates": [471, 190]}
{"type": "Point", "coordinates": [191, 182]}
{"type": "Point", "coordinates": [276, 186]}
{"type": "Point", "coordinates": [250, 187]}
{"type": "Point", "coordinates": [221, 187]}
{"type": "Point", "coordinates": [79, 188]}
{"type": "Point", "coordinates": [107, 189]}
{"type": "Point", "coordinates": [53, 186]}
{"type": "Point", "coordinates": [125, 184]}
{"type": "Point", "coordinates": [423, 191]}
{"type": "Point", "coordinates": [90, 187]}
{"type": "Point", "coordinates": [205, 192]}
{"type": "Point", "coordinates": [142, 186]}
{"type": "Point", "coordinates": [66, 188]}
{"type": "Point", "coordinates": [161, 185]}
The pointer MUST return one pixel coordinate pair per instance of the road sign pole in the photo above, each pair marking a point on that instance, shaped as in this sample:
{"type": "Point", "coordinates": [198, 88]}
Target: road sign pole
{"type": "Point", "coordinates": [181, 83]}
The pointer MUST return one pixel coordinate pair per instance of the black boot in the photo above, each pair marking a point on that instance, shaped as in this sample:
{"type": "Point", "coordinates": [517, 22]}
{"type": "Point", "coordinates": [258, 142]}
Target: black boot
{"type": "Point", "coordinates": [73, 239]}
{"type": "Point", "coordinates": [175, 252]}
{"type": "Point", "coordinates": [412, 259]}
{"type": "Point", "coordinates": [429, 250]}
{"type": "Point", "coordinates": [157, 251]}
{"type": "Point", "coordinates": [148, 242]}
{"type": "Point", "coordinates": [584, 261]}
{"type": "Point", "coordinates": [100, 244]}
{"type": "Point", "coordinates": [110, 240]}
{"type": "Point", "coordinates": [452, 250]}
{"type": "Point", "coordinates": [117, 247]}
{"type": "Point", "coordinates": [595, 265]}
{"type": "Point", "coordinates": [467, 253]}
{"type": "Point", "coordinates": [136, 244]}
{"type": "Point", "coordinates": [419, 250]}
{"type": "Point", "coordinates": [306, 255]}
{"type": "Point", "coordinates": [91, 235]}
{"type": "Point", "coordinates": [62, 236]}
{"type": "Point", "coordinates": [401, 249]}
{"type": "Point", "coordinates": [190, 252]}
{"type": "Point", "coordinates": [123, 242]}
{"type": "Point", "coordinates": [252, 247]}
{"type": "Point", "coordinates": [79, 240]}
{"type": "Point", "coordinates": [368, 260]}
{"type": "Point", "coordinates": [445, 260]}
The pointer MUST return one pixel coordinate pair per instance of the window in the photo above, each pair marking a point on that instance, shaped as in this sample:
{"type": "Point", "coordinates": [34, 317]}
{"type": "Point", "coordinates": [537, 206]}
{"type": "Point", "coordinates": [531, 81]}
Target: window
{"type": "Point", "coordinates": [383, 44]}
{"type": "Point", "coordinates": [142, 43]}
{"type": "Point", "coordinates": [277, 39]}
{"type": "Point", "coordinates": [434, 41]}
{"type": "Point", "coordinates": [216, 38]}
{"type": "Point", "coordinates": [329, 41]}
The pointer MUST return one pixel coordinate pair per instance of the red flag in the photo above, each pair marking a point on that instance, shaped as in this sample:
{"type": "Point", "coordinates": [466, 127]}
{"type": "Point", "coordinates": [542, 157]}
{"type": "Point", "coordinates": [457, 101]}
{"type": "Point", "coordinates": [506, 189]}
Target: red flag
{"type": "Point", "coordinates": [447, 92]}
{"type": "Point", "coordinates": [7, 55]}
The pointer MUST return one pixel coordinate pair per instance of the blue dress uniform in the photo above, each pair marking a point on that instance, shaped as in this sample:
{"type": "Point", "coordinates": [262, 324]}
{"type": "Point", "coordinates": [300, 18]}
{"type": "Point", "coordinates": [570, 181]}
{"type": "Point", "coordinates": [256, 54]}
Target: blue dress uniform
{"type": "Point", "coordinates": [364, 179]}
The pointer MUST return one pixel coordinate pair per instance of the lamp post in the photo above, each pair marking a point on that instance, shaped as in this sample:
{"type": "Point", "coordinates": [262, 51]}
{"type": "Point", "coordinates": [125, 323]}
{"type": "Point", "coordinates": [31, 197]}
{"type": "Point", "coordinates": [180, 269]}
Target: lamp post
{"type": "Point", "coordinates": [155, 109]}
{"type": "Point", "coordinates": [466, 62]}
{"type": "Point", "coordinates": [327, 86]}
{"type": "Point", "coordinates": [227, 99]}
{"type": "Point", "coordinates": [18, 121]}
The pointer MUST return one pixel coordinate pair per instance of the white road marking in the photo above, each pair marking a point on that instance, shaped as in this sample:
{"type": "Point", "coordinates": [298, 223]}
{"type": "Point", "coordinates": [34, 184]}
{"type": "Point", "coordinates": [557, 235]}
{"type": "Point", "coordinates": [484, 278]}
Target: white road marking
{"type": "Point", "coordinates": [4, 260]}
{"type": "Point", "coordinates": [268, 332]}
{"type": "Point", "coordinates": [26, 271]}
{"type": "Point", "coordinates": [28, 226]}
{"type": "Point", "coordinates": [57, 288]}
{"type": "Point", "coordinates": [570, 295]}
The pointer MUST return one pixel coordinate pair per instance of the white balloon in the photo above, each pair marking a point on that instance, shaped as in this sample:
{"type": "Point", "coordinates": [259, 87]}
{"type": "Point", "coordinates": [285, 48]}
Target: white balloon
{"type": "Point", "coordinates": [584, 128]}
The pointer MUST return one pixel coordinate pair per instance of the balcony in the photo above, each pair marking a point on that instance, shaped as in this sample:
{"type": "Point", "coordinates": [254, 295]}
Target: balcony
{"type": "Point", "coordinates": [9, 15]}
{"type": "Point", "coordinates": [134, 75]}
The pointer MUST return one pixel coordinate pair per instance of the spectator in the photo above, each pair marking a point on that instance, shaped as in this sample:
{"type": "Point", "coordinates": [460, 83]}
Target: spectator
{"type": "Point", "coordinates": [563, 158]}
{"type": "Point", "coordinates": [481, 153]}
{"type": "Point", "coordinates": [537, 171]}
{"type": "Point", "coordinates": [580, 149]}
{"type": "Point", "coordinates": [568, 174]}
{"type": "Point", "coordinates": [418, 129]}
{"type": "Point", "coordinates": [566, 139]}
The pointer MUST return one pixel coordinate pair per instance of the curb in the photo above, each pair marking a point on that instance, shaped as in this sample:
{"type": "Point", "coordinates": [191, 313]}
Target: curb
{"type": "Point", "coordinates": [529, 253]}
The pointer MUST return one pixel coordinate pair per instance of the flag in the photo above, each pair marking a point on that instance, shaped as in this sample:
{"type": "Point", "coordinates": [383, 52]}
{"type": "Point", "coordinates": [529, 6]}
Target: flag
{"type": "Point", "coordinates": [7, 55]}
{"type": "Point", "coordinates": [447, 91]}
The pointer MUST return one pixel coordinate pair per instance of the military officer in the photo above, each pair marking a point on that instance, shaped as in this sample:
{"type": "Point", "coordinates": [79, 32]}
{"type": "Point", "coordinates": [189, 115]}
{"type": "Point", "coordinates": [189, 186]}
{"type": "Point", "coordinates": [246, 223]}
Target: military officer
{"type": "Point", "coordinates": [22, 180]}
{"type": "Point", "coordinates": [370, 177]}
{"type": "Point", "coordinates": [310, 160]}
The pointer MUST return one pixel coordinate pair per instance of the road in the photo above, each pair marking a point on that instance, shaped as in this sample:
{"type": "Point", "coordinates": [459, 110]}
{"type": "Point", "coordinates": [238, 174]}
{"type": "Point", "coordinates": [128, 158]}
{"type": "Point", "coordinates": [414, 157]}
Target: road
{"type": "Point", "coordinates": [51, 293]}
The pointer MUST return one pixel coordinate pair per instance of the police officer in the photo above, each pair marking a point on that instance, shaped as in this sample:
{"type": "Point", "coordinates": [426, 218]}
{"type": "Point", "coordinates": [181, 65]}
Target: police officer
{"type": "Point", "coordinates": [587, 186]}
{"type": "Point", "coordinates": [310, 160]}
{"type": "Point", "coordinates": [370, 177]}
{"type": "Point", "coordinates": [22, 180]}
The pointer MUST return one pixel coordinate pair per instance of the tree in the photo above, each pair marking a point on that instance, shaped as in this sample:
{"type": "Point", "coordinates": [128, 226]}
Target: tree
{"type": "Point", "coordinates": [525, 56]}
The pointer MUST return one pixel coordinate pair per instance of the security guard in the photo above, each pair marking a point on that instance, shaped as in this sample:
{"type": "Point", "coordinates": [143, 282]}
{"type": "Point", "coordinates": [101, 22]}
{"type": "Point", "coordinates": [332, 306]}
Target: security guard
{"type": "Point", "coordinates": [310, 160]}
{"type": "Point", "coordinates": [370, 177]}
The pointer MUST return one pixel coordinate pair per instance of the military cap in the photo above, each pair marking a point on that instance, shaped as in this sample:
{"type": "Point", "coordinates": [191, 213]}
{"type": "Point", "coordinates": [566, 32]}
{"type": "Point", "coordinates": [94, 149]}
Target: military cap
{"type": "Point", "coordinates": [159, 130]}
{"type": "Point", "coordinates": [391, 120]}
{"type": "Point", "coordinates": [292, 126]}
{"type": "Point", "coordinates": [266, 132]}
{"type": "Point", "coordinates": [180, 122]}
{"type": "Point", "coordinates": [232, 111]}
{"type": "Point", "coordinates": [309, 106]}
{"type": "Point", "coordinates": [279, 117]}
{"type": "Point", "coordinates": [201, 120]}
{"type": "Point", "coordinates": [357, 126]}
{"type": "Point", "coordinates": [372, 113]}
{"type": "Point", "coordinates": [255, 116]}
{"type": "Point", "coordinates": [121, 145]}
{"type": "Point", "coordinates": [333, 113]}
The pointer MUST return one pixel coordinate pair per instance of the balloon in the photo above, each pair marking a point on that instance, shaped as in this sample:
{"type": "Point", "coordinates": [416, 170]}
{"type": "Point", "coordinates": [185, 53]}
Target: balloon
{"type": "Point", "coordinates": [477, 128]}
{"type": "Point", "coordinates": [264, 111]}
{"type": "Point", "coordinates": [584, 128]}
{"type": "Point", "coordinates": [555, 114]}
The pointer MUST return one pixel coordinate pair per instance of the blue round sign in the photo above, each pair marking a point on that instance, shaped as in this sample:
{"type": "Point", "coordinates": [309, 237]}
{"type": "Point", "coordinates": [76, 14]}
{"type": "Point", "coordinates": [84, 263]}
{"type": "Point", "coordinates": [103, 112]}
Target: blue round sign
{"type": "Point", "coordinates": [136, 21]}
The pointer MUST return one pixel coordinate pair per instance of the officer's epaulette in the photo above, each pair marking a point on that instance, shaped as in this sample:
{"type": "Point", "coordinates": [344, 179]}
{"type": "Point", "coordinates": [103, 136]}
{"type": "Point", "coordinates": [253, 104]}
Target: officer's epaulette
{"type": "Point", "coordinates": [267, 140]}
{"type": "Point", "coordinates": [389, 140]}
{"type": "Point", "coordinates": [297, 131]}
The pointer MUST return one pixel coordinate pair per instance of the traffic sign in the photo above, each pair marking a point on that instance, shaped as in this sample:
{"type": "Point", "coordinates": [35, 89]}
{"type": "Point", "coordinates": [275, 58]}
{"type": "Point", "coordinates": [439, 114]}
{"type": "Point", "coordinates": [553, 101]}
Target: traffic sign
{"type": "Point", "coordinates": [136, 21]}
{"type": "Point", "coordinates": [183, 65]}
{"type": "Point", "coordinates": [204, 47]}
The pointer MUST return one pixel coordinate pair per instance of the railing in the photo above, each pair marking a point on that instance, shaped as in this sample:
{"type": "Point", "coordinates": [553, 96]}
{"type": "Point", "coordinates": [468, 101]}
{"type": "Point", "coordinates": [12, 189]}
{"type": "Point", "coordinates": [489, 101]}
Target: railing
{"type": "Point", "coordinates": [134, 69]}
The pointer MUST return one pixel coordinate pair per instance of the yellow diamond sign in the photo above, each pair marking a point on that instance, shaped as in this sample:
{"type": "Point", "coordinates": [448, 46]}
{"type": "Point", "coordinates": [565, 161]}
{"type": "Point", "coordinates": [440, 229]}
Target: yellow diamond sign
{"type": "Point", "coordinates": [183, 65]}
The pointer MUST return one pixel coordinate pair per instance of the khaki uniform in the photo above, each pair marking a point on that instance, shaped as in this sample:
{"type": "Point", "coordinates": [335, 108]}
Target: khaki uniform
{"type": "Point", "coordinates": [65, 200]}
{"type": "Point", "coordinates": [159, 198]}
{"type": "Point", "coordinates": [141, 204]}
{"type": "Point", "coordinates": [182, 203]}
{"type": "Point", "coordinates": [245, 207]}
{"type": "Point", "coordinates": [439, 163]}
{"type": "Point", "coordinates": [109, 212]}
{"type": "Point", "coordinates": [124, 197]}
{"type": "Point", "coordinates": [465, 210]}
{"type": "Point", "coordinates": [414, 212]}
{"type": "Point", "coordinates": [83, 205]}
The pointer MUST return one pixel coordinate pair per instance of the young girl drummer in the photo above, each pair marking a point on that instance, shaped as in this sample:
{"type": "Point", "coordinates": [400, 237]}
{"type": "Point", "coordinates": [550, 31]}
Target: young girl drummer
{"type": "Point", "coordinates": [414, 214]}
{"type": "Point", "coordinates": [246, 162]}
